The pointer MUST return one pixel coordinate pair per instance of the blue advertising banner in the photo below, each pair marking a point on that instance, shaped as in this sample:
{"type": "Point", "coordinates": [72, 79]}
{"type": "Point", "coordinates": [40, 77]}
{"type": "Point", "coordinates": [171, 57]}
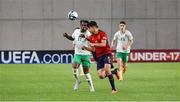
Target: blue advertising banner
{"type": "Point", "coordinates": [66, 56]}
{"type": "Point", "coordinates": [36, 57]}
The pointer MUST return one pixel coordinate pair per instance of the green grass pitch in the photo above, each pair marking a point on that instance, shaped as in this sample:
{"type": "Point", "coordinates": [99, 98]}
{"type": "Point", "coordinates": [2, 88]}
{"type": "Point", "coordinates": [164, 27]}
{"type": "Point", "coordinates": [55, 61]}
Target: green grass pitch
{"type": "Point", "coordinates": [54, 82]}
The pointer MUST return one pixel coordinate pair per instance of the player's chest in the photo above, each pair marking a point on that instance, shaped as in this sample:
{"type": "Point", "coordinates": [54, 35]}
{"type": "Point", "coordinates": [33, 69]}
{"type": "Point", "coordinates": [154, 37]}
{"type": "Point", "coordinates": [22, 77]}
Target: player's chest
{"type": "Point", "coordinates": [96, 39]}
{"type": "Point", "coordinates": [79, 39]}
{"type": "Point", "coordinates": [122, 37]}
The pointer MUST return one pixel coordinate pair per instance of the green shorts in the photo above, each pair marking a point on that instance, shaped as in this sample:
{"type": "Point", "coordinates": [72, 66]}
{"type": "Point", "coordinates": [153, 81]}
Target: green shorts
{"type": "Point", "coordinates": [82, 59]}
{"type": "Point", "coordinates": [123, 56]}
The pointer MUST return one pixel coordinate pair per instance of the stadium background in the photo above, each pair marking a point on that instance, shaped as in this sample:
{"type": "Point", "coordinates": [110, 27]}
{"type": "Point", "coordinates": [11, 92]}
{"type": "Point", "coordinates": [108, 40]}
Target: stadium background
{"type": "Point", "coordinates": [39, 24]}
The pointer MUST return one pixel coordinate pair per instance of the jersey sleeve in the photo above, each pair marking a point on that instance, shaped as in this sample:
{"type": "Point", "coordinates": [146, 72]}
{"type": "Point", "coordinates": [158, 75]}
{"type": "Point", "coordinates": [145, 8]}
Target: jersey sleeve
{"type": "Point", "coordinates": [115, 36]}
{"type": "Point", "coordinates": [88, 33]}
{"type": "Point", "coordinates": [74, 33]}
{"type": "Point", "coordinates": [130, 35]}
{"type": "Point", "coordinates": [103, 36]}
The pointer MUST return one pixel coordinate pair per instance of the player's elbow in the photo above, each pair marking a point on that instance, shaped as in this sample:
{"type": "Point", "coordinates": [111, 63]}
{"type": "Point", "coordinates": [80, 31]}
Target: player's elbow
{"type": "Point", "coordinates": [103, 44]}
{"type": "Point", "coordinates": [72, 39]}
{"type": "Point", "coordinates": [131, 41]}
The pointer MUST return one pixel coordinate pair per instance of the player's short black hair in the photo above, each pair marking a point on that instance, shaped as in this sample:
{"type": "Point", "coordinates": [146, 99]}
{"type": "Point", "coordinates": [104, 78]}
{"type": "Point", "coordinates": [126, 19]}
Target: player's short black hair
{"type": "Point", "coordinates": [85, 21]}
{"type": "Point", "coordinates": [92, 23]}
{"type": "Point", "coordinates": [122, 22]}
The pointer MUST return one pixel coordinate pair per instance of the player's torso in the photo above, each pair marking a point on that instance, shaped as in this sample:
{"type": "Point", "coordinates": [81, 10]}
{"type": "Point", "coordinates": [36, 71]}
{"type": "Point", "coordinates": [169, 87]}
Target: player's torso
{"type": "Point", "coordinates": [122, 40]}
{"type": "Point", "coordinates": [79, 42]}
{"type": "Point", "coordinates": [97, 38]}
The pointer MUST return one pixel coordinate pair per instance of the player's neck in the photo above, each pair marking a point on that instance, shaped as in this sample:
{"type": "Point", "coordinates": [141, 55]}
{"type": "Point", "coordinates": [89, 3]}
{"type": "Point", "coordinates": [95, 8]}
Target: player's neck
{"type": "Point", "coordinates": [96, 31]}
{"type": "Point", "coordinates": [83, 31]}
{"type": "Point", "coordinates": [122, 31]}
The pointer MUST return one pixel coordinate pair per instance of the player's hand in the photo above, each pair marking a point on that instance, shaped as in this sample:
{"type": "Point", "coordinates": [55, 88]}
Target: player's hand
{"type": "Point", "coordinates": [82, 35]}
{"type": "Point", "coordinates": [125, 48]}
{"type": "Point", "coordinates": [65, 34]}
{"type": "Point", "coordinates": [83, 47]}
{"type": "Point", "coordinates": [112, 46]}
{"type": "Point", "coordinates": [92, 44]}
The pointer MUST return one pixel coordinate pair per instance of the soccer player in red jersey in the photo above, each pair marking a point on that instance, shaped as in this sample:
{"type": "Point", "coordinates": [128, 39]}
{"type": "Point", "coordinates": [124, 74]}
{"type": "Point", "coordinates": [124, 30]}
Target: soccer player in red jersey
{"type": "Point", "coordinates": [99, 43]}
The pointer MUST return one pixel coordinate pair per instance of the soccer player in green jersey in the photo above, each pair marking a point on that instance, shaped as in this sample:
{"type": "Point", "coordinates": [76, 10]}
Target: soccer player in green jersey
{"type": "Point", "coordinates": [124, 40]}
{"type": "Point", "coordinates": [81, 56]}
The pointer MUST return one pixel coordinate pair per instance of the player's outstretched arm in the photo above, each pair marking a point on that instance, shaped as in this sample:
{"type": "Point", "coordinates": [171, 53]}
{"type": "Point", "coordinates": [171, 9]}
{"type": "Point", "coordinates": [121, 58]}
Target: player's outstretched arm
{"type": "Point", "coordinates": [68, 36]}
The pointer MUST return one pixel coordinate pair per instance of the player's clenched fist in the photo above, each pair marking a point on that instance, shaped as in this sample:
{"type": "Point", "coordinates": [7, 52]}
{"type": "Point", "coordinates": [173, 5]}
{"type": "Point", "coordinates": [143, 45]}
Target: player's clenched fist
{"type": "Point", "coordinates": [82, 36]}
{"type": "Point", "coordinates": [92, 44]}
{"type": "Point", "coordinates": [65, 34]}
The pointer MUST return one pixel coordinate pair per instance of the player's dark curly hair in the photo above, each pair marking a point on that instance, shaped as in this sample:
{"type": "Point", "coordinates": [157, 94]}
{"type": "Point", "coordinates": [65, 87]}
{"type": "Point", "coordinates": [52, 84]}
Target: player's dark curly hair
{"type": "Point", "coordinates": [85, 21]}
{"type": "Point", "coordinates": [123, 22]}
{"type": "Point", "coordinates": [92, 23]}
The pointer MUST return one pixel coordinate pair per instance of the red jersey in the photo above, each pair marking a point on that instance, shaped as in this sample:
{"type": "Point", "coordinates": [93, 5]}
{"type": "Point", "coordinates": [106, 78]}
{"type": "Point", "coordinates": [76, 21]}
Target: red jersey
{"type": "Point", "coordinates": [97, 38]}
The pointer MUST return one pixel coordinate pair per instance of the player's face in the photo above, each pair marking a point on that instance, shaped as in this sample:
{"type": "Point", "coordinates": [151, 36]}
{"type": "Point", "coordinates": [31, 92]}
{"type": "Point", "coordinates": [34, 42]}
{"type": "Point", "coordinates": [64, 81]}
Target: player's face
{"type": "Point", "coordinates": [91, 30]}
{"type": "Point", "coordinates": [122, 27]}
{"type": "Point", "coordinates": [84, 27]}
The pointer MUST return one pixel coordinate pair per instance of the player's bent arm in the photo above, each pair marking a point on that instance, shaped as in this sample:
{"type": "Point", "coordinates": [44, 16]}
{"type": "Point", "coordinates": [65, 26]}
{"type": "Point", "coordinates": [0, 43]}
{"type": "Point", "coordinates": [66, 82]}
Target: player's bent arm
{"type": "Point", "coordinates": [102, 44]}
{"type": "Point", "coordinates": [130, 42]}
{"type": "Point", "coordinates": [68, 36]}
{"type": "Point", "coordinates": [113, 43]}
{"type": "Point", "coordinates": [87, 39]}
{"type": "Point", "coordinates": [91, 49]}
{"type": "Point", "coordinates": [130, 39]}
{"type": "Point", "coordinates": [114, 40]}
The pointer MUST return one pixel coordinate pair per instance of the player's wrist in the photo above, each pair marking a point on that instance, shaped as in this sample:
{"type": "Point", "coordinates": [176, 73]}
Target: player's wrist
{"type": "Point", "coordinates": [92, 44]}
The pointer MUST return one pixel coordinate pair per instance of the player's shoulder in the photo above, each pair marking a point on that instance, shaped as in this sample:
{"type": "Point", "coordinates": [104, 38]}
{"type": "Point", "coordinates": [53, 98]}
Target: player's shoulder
{"type": "Point", "coordinates": [88, 32]}
{"type": "Point", "coordinates": [76, 30]}
{"type": "Point", "coordinates": [103, 35]}
{"type": "Point", "coordinates": [118, 32]}
{"type": "Point", "coordinates": [128, 32]}
{"type": "Point", "coordinates": [102, 32]}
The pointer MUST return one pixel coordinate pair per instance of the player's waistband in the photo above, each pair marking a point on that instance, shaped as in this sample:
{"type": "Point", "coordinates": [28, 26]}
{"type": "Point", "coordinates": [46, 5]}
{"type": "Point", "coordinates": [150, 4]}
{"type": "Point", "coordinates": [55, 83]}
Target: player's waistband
{"type": "Point", "coordinates": [82, 54]}
{"type": "Point", "coordinates": [109, 53]}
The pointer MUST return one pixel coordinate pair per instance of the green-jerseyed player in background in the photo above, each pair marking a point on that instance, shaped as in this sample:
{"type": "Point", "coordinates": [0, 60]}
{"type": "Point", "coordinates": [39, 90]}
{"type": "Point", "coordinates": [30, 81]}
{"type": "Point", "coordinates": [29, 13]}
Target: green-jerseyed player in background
{"type": "Point", "coordinates": [124, 40]}
{"type": "Point", "coordinates": [81, 56]}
